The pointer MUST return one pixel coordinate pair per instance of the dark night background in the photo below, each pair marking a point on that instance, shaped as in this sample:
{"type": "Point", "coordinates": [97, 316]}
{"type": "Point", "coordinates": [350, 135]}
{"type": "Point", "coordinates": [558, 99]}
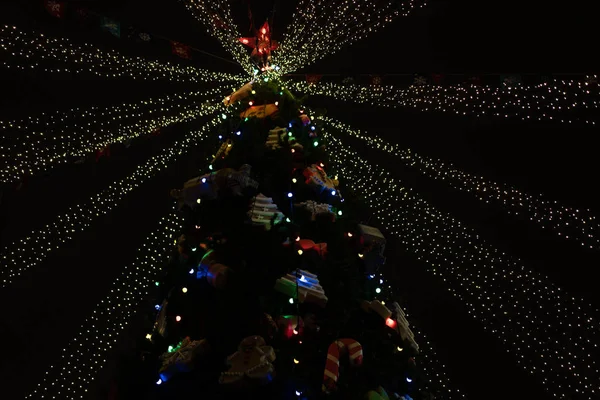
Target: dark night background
{"type": "Point", "coordinates": [445, 37]}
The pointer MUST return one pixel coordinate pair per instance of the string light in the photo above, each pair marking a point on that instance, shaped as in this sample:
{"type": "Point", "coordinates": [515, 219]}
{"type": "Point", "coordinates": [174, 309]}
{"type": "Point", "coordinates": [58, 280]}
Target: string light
{"type": "Point", "coordinates": [216, 17]}
{"type": "Point", "coordinates": [558, 100]}
{"type": "Point", "coordinates": [86, 353]}
{"type": "Point", "coordinates": [323, 28]}
{"type": "Point", "coordinates": [39, 146]}
{"type": "Point", "coordinates": [566, 222]}
{"type": "Point", "coordinates": [26, 51]}
{"type": "Point", "coordinates": [23, 254]}
{"type": "Point", "coordinates": [436, 379]}
{"type": "Point", "coordinates": [552, 335]}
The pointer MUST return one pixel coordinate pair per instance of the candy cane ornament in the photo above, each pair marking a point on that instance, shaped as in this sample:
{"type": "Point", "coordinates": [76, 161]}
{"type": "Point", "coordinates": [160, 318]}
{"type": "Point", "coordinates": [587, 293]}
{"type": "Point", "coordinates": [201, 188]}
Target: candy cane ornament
{"type": "Point", "coordinates": [332, 365]}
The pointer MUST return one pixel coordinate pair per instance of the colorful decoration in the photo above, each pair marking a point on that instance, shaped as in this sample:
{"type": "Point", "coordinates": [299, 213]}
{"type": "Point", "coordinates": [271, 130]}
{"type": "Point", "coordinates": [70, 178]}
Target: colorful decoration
{"type": "Point", "coordinates": [276, 136]}
{"type": "Point", "coordinates": [308, 245]}
{"type": "Point", "coordinates": [224, 182]}
{"type": "Point", "coordinates": [252, 361]}
{"type": "Point", "coordinates": [264, 212]}
{"type": "Point", "coordinates": [303, 286]}
{"type": "Point", "coordinates": [181, 358]}
{"type": "Point", "coordinates": [215, 273]}
{"type": "Point", "coordinates": [238, 95]}
{"type": "Point", "coordinates": [290, 325]}
{"type": "Point", "coordinates": [318, 179]}
{"type": "Point", "coordinates": [262, 111]}
{"type": "Point", "coordinates": [332, 366]}
{"type": "Point", "coordinates": [261, 45]}
{"type": "Point", "coordinates": [316, 209]}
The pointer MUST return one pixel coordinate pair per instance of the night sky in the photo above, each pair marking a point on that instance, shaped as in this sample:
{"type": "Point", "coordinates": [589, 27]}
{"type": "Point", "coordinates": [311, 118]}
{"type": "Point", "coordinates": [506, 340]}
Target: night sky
{"type": "Point", "coordinates": [470, 37]}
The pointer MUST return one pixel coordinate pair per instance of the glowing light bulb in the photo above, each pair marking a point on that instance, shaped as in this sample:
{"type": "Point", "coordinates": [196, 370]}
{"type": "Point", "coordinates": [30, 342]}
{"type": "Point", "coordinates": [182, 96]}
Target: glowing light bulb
{"type": "Point", "coordinates": [149, 336]}
{"type": "Point", "coordinates": [315, 143]}
{"type": "Point", "coordinates": [291, 300]}
{"type": "Point", "coordinates": [158, 382]}
{"type": "Point", "coordinates": [298, 239]}
{"type": "Point", "coordinates": [250, 103]}
{"type": "Point", "coordinates": [300, 252]}
{"type": "Point", "coordinates": [198, 201]}
{"type": "Point", "coordinates": [224, 116]}
{"type": "Point", "coordinates": [333, 192]}
{"type": "Point", "coordinates": [238, 133]}
{"type": "Point", "coordinates": [178, 318]}
{"type": "Point", "coordinates": [350, 234]}
{"type": "Point", "coordinates": [408, 379]}
{"type": "Point", "coordinates": [253, 92]}
{"type": "Point", "coordinates": [293, 150]}
{"type": "Point", "coordinates": [290, 194]}
{"type": "Point", "coordinates": [203, 180]}
{"type": "Point", "coordinates": [360, 255]}
{"type": "Point", "coordinates": [296, 362]}
{"type": "Point", "coordinates": [399, 348]}
{"type": "Point", "coordinates": [340, 212]}
{"type": "Point", "coordinates": [294, 180]}
{"type": "Point", "coordinates": [378, 290]}
{"type": "Point", "coordinates": [191, 271]}
{"type": "Point", "coordinates": [210, 167]}
{"type": "Point", "coordinates": [184, 290]}
{"type": "Point", "coordinates": [276, 103]}
{"type": "Point", "coordinates": [295, 332]}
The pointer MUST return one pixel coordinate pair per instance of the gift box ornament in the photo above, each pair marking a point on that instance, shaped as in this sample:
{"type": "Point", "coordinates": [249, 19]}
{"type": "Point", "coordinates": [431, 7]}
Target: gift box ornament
{"type": "Point", "coordinates": [275, 138]}
{"type": "Point", "coordinates": [302, 286]}
{"type": "Point", "coordinates": [252, 363]}
{"type": "Point", "coordinates": [264, 212]}
{"type": "Point", "coordinates": [181, 358]}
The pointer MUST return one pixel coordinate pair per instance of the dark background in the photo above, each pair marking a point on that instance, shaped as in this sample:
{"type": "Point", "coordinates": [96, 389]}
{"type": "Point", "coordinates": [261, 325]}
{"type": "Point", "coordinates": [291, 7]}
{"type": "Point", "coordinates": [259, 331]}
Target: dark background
{"type": "Point", "coordinates": [493, 37]}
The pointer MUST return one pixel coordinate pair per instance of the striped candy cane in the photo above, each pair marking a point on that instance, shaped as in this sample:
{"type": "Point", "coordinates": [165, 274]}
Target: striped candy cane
{"type": "Point", "coordinates": [332, 365]}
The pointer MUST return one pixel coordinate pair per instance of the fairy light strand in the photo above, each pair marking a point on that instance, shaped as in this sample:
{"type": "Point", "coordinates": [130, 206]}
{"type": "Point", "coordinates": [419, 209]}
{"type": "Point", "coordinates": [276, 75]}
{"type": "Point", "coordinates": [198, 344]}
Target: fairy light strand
{"type": "Point", "coordinates": [42, 146]}
{"type": "Point", "coordinates": [87, 352]}
{"type": "Point", "coordinates": [553, 336]}
{"type": "Point", "coordinates": [321, 29]}
{"type": "Point", "coordinates": [27, 252]}
{"type": "Point", "coordinates": [567, 222]}
{"type": "Point", "coordinates": [25, 51]}
{"type": "Point", "coordinates": [218, 21]}
{"type": "Point", "coordinates": [558, 100]}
